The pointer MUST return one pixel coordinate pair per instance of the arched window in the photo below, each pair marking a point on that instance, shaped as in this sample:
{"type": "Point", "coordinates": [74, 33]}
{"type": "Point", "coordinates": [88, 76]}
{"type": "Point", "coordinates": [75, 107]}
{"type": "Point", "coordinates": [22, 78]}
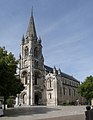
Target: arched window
{"type": "Point", "coordinates": [64, 91]}
{"type": "Point", "coordinates": [35, 79]}
{"type": "Point", "coordinates": [50, 96]}
{"type": "Point", "coordinates": [36, 63]}
{"type": "Point", "coordinates": [50, 83]}
{"type": "Point", "coordinates": [24, 98]}
{"type": "Point", "coordinates": [69, 91]}
{"type": "Point", "coordinates": [36, 52]}
{"type": "Point", "coordinates": [26, 51]}
{"type": "Point", "coordinates": [74, 92]}
{"type": "Point", "coordinates": [26, 80]}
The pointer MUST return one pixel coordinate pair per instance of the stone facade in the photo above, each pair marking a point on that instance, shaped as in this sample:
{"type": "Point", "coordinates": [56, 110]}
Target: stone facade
{"type": "Point", "coordinates": [43, 85]}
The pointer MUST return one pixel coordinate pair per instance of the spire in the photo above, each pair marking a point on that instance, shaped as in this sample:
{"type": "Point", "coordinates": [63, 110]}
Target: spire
{"type": "Point", "coordinates": [39, 40]}
{"type": "Point", "coordinates": [54, 70]}
{"type": "Point", "coordinates": [31, 31]}
{"type": "Point", "coordinates": [59, 71]}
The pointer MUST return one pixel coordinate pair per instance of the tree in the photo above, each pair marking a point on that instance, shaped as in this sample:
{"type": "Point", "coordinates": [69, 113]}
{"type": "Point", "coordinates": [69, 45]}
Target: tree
{"type": "Point", "coordinates": [86, 88]}
{"type": "Point", "coordinates": [10, 85]}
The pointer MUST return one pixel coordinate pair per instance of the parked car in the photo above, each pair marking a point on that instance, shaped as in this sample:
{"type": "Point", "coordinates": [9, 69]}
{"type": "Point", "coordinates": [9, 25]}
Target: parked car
{"type": "Point", "coordinates": [1, 109]}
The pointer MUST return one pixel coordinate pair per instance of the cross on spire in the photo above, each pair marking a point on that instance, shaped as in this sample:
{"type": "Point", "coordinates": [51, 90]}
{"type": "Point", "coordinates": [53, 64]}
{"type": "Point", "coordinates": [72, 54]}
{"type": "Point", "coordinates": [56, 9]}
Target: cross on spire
{"type": "Point", "coordinates": [32, 11]}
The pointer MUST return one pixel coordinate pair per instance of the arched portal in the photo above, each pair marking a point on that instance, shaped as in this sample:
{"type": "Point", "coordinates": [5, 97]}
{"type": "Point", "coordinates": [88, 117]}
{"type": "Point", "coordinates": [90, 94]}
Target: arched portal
{"type": "Point", "coordinates": [37, 97]}
{"type": "Point", "coordinates": [24, 99]}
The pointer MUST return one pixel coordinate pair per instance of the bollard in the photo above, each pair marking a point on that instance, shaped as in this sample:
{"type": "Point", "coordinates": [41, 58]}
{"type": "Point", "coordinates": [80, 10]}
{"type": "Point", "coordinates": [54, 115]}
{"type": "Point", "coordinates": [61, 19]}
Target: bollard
{"type": "Point", "coordinates": [87, 112]}
{"type": "Point", "coordinates": [91, 114]}
{"type": "Point", "coordinates": [1, 110]}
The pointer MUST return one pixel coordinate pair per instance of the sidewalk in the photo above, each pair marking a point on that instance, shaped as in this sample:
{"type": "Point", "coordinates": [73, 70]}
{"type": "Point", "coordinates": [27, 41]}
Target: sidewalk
{"type": "Point", "coordinates": [71, 117]}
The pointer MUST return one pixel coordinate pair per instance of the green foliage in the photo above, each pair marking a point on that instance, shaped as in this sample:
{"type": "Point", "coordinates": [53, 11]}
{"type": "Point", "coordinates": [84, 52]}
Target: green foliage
{"type": "Point", "coordinates": [10, 85]}
{"type": "Point", "coordinates": [86, 88]}
{"type": "Point", "coordinates": [10, 102]}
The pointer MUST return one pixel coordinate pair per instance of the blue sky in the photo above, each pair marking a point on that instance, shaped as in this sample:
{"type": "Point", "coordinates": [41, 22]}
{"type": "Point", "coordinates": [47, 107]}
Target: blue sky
{"type": "Point", "coordinates": [65, 27]}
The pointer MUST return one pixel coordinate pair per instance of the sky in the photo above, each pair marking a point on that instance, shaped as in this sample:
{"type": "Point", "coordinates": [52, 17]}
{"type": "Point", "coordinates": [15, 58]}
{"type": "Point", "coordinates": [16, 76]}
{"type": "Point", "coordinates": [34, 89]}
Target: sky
{"type": "Point", "coordinates": [65, 27]}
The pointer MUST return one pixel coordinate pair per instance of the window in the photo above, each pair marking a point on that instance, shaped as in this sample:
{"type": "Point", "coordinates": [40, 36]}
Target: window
{"type": "Point", "coordinates": [65, 82]}
{"type": "Point", "coordinates": [64, 91]}
{"type": "Point", "coordinates": [35, 79]}
{"type": "Point", "coordinates": [74, 92]}
{"type": "Point", "coordinates": [26, 80]}
{"type": "Point", "coordinates": [50, 96]}
{"type": "Point", "coordinates": [26, 51]}
{"type": "Point", "coordinates": [36, 63]}
{"type": "Point", "coordinates": [36, 52]}
{"type": "Point", "coordinates": [70, 82]}
{"type": "Point", "coordinates": [69, 91]}
{"type": "Point", "coordinates": [50, 83]}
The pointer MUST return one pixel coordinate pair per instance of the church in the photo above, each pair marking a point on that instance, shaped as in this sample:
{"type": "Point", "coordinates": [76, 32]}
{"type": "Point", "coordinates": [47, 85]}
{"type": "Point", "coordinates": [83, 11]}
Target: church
{"type": "Point", "coordinates": [43, 85]}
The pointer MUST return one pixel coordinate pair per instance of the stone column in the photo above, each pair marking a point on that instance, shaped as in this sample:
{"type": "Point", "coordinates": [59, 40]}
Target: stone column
{"type": "Point", "coordinates": [17, 100]}
{"type": "Point", "coordinates": [32, 94]}
{"type": "Point", "coordinates": [28, 90]}
{"type": "Point", "coordinates": [27, 94]}
{"type": "Point", "coordinates": [55, 91]}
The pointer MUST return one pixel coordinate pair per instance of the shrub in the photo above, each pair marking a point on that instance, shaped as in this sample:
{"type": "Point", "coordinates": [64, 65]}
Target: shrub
{"type": "Point", "coordinates": [10, 102]}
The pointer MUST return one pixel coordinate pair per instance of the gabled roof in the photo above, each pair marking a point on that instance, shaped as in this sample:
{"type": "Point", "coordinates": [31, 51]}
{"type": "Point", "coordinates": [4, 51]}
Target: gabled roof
{"type": "Point", "coordinates": [49, 69]}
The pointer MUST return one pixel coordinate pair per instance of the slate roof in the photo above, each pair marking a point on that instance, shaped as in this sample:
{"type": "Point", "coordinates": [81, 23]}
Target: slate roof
{"type": "Point", "coordinates": [31, 30]}
{"type": "Point", "coordinates": [49, 69]}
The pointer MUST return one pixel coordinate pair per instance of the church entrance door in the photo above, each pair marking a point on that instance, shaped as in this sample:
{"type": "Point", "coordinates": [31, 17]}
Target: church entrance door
{"type": "Point", "coordinates": [24, 98]}
{"type": "Point", "coordinates": [36, 99]}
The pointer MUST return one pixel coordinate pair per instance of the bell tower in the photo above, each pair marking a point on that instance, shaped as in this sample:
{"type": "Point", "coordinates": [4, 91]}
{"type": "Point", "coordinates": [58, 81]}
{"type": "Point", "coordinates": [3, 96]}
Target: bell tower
{"type": "Point", "coordinates": [32, 67]}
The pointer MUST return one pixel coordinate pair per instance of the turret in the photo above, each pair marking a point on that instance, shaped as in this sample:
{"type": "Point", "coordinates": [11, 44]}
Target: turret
{"type": "Point", "coordinates": [54, 70]}
{"type": "Point", "coordinates": [59, 71]}
{"type": "Point", "coordinates": [39, 40]}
